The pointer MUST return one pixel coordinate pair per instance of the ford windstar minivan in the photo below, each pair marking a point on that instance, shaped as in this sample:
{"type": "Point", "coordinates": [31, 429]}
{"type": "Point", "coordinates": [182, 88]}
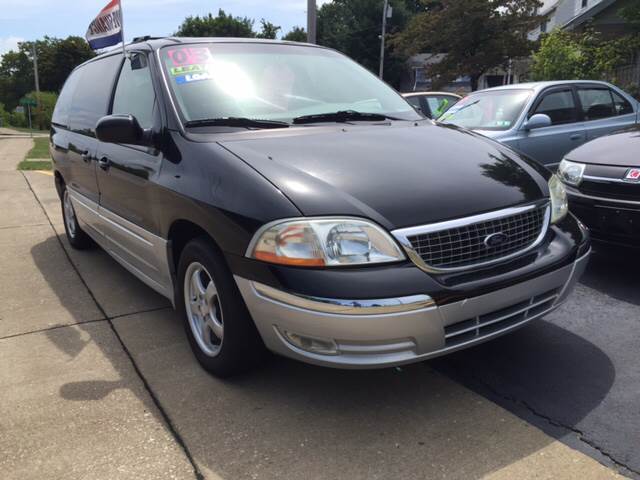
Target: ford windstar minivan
{"type": "Point", "coordinates": [285, 199]}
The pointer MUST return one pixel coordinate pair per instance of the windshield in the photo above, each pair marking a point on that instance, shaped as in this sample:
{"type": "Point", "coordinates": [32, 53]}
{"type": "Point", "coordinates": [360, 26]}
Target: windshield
{"type": "Point", "coordinates": [490, 110]}
{"type": "Point", "coordinates": [273, 82]}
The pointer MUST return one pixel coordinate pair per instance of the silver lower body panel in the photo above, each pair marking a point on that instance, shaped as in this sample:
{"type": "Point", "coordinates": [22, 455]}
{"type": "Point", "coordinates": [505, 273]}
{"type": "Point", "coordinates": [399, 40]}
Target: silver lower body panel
{"type": "Point", "coordinates": [390, 339]}
{"type": "Point", "coordinates": [142, 253]}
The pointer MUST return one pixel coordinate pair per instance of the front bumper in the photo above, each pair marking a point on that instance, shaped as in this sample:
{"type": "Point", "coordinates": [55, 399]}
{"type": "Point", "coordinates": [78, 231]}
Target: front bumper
{"type": "Point", "coordinates": [609, 220]}
{"type": "Point", "coordinates": [407, 329]}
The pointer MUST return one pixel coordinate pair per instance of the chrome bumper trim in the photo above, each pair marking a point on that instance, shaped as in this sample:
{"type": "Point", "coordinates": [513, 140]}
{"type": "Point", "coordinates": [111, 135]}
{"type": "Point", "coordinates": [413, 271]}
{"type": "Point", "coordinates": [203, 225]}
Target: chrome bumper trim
{"type": "Point", "coordinates": [384, 340]}
{"type": "Point", "coordinates": [346, 307]}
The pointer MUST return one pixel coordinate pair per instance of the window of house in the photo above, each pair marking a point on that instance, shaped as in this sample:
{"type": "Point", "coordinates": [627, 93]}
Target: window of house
{"type": "Point", "coordinates": [134, 94]}
{"type": "Point", "coordinates": [559, 106]}
{"type": "Point", "coordinates": [596, 103]}
{"type": "Point", "coordinates": [584, 3]}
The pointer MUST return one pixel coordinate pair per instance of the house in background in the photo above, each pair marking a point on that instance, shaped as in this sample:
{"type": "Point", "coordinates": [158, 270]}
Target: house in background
{"type": "Point", "coordinates": [602, 15]}
{"type": "Point", "coordinates": [575, 15]}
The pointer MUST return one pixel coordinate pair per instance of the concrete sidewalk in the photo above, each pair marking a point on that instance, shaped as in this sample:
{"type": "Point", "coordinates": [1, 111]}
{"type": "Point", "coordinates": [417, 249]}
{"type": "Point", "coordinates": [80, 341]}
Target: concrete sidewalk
{"type": "Point", "coordinates": [97, 381]}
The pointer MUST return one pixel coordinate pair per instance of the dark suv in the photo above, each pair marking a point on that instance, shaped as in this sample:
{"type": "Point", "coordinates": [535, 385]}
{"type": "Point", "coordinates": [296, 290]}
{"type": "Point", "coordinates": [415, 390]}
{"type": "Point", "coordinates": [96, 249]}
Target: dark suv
{"type": "Point", "coordinates": [281, 196]}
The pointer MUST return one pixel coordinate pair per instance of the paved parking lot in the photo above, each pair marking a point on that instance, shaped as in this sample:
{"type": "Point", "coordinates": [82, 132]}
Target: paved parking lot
{"type": "Point", "coordinates": [97, 381]}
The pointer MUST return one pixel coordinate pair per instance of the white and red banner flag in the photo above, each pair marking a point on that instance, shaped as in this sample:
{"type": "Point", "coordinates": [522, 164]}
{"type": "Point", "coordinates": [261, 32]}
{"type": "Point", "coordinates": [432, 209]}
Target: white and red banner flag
{"type": "Point", "coordinates": [106, 29]}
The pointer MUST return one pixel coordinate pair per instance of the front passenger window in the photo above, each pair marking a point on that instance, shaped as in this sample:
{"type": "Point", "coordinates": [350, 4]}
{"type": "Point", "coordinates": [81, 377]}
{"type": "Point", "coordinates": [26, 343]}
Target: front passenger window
{"type": "Point", "coordinates": [560, 107]}
{"type": "Point", "coordinates": [134, 93]}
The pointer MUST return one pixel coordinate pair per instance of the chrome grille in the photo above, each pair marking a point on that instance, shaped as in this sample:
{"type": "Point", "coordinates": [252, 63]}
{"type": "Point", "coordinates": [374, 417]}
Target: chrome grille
{"type": "Point", "coordinates": [463, 244]}
{"type": "Point", "coordinates": [490, 323]}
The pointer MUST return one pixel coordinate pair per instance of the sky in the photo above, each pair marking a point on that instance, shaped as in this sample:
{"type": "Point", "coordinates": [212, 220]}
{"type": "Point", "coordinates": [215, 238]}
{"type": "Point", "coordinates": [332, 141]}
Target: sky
{"type": "Point", "coordinates": [31, 19]}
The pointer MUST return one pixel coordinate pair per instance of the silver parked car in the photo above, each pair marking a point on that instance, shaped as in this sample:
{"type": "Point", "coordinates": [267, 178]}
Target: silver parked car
{"type": "Point", "coordinates": [545, 120]}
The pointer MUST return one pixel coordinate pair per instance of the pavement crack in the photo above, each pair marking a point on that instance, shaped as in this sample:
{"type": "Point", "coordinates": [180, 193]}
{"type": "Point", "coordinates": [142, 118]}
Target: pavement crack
{"type": "Point", "coordinates": [165, 416]}
{"type": "Point", "coordinates": [54, 327]}
{"type": "Point", "coordinates": [580, 435]}
{"type": "Point", "coordinates": [149, 310]}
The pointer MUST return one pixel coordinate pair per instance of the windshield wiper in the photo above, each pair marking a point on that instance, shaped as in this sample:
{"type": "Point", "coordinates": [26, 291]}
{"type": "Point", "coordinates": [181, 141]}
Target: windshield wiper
{"type": "Point", "coordinates": [342, 116]}
{"type": "Point", "coordinates": [236, 122]}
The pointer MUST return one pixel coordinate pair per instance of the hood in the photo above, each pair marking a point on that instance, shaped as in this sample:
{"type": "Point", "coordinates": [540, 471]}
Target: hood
{"type": "Point", "coordinates": [621, 149]}
{"type": "Point", "coordinates": [398, 175]}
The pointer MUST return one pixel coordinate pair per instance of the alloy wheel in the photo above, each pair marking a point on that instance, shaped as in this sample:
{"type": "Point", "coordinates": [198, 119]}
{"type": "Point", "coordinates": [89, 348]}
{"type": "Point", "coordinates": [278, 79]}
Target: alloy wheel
{"type": "Point", "coordinates": [203, 308]}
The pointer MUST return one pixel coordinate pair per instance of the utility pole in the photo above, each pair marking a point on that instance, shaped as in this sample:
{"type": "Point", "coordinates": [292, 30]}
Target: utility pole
{"type": "Point", "coordinates": [386, 12]}
{"type": "Point", "coordinates": [311, 21]}
{"type": "Point", "coordinates": [37, 82]}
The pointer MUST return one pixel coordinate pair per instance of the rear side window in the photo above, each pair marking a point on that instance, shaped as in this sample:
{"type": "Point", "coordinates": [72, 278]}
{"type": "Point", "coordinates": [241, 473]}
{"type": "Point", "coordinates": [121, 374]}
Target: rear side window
{"type": "Point", "coordinates": [559, 105]}
{"type": "Point", "coordinates": [60, 115]}
{"type": "Point", "coordinates": [415, 101]}
{"type": "Point", "coordinates": [92, 94]}
{"type": "Point", "coordinates": [596, 103]}
{"type": "Point", "coordinates": [621, 105]}
{"type": "Point", "coordinates": [134, 93]}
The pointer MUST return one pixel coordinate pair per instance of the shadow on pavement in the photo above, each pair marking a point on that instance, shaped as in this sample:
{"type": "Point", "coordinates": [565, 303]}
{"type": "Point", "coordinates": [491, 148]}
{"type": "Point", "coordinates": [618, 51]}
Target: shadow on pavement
{"type": "Point", "coordinates": [541, 367]}
{"type": "Point", "coordinates": [293, 420]}
{"type": "Point", "coordinates": [615, 271]}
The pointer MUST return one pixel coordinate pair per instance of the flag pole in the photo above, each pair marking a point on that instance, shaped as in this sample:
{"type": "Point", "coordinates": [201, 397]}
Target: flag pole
{"type": "Point", "coordinates": [124, 53]}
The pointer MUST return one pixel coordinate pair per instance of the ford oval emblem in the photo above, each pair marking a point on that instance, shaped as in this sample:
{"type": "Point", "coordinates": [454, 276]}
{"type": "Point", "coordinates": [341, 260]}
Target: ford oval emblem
{"type": "Point", "coordinates": [495, 240]}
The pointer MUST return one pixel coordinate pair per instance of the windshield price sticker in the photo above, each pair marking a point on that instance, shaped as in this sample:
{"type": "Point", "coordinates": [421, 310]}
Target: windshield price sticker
{"type": "Point", "coordinates": [184, 56]}
{"type": "Point", "coordinates": [193, 77]}
{"type": "Point", "coordinates": [187, 69]}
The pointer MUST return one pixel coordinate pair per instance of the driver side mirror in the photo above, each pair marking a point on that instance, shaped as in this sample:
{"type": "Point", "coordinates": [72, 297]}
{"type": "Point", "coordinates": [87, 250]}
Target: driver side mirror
{"type": "Point", "coordinates": [539, 120]}
{"type": "Point", "coordinates": [122, 129]}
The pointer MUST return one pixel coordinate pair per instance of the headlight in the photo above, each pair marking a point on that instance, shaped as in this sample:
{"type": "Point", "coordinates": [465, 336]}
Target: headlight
{"type": "Point", "coordinates": [571, 172]}
{"type": "Point", "coordinates": [325, 242]}
{"type": "Point", "coordinates": [559, 204]}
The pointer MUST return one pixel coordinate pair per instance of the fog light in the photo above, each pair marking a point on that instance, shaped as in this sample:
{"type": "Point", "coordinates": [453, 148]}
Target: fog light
{"type": "Point", "coordinates": [322, 346]}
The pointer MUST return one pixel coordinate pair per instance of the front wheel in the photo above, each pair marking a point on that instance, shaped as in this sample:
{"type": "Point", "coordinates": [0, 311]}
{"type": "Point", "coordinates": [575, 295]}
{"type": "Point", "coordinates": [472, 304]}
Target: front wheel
{"type": "Point", "coordinates": [78, 239]}
{"type": "Point", "coordinates": [220, 330]}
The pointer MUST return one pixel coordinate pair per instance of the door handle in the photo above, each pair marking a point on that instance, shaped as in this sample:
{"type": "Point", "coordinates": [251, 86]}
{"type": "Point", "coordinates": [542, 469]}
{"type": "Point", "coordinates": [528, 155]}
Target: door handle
{"type": "Point", "coordinates": [104, 163]}
{"type": "Point", "coordinates": [576, 136]}
{"type": "Point", "coordinates": [86, 156]}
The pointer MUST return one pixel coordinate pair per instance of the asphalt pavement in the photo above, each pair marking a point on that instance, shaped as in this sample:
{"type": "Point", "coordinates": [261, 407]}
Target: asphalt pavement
{"type": "Point", "coordinates": [575, 374]}
{"type": "Point", "coordinates": [97, 381]}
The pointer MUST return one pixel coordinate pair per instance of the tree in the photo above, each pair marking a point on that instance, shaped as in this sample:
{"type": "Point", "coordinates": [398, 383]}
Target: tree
{"type": "Point", "coordinates": [221, 26]}
{"type": "Point", "coordinates": [297, 34]}
{"type": "Point", "coordinates": [474, 35]}
{"type": "Point", "coordinates": [354, 26]}
{"type": "Point", "coordinates": [56, 59]}
{"type": "Point", "coordinates": [42, 114]}
{"type": "Point", "coordinates": [268, 30]}
{"type": "Point", "coordinates": [581, 55]}
{"type": "Point", "coordinates": [560, 57]}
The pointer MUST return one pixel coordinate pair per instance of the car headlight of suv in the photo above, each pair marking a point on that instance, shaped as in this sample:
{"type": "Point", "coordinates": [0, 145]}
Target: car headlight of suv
{"type": "Point", "coordinates": [571, 172]}
{"type": "Point", "coordinates": [324, 242]}
{"type": "Point", "coordinates": [559, 202]}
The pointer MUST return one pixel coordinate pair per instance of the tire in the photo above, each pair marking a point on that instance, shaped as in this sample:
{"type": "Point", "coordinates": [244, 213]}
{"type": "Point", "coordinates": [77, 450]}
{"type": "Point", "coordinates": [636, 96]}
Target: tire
{"type": "Point", "coordinates": [218, 325]}
{"type": "Point", "coordinates": [78, 239]}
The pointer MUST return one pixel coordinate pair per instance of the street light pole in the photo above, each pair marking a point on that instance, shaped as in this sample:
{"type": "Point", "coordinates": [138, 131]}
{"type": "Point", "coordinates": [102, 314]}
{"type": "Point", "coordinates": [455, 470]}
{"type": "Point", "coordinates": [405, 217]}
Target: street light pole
{"type": "Point", "coordinates": [311, 21]}
{"type": "Point", "coordinates": [384, 32]}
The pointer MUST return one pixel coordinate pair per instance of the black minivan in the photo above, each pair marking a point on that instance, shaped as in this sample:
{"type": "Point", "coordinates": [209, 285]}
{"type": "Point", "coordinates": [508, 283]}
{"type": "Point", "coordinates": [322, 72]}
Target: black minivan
{"type": "Point", "coordinates": [281, 196]}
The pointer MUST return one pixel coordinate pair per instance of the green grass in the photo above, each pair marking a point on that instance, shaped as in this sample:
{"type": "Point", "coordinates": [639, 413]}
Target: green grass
{"type": "Point", "coordinates": [40, 148]}
{"type": "Point", "coordinates": [34, 165]}
{"type": "Point", "coordinates": [40, 152]}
